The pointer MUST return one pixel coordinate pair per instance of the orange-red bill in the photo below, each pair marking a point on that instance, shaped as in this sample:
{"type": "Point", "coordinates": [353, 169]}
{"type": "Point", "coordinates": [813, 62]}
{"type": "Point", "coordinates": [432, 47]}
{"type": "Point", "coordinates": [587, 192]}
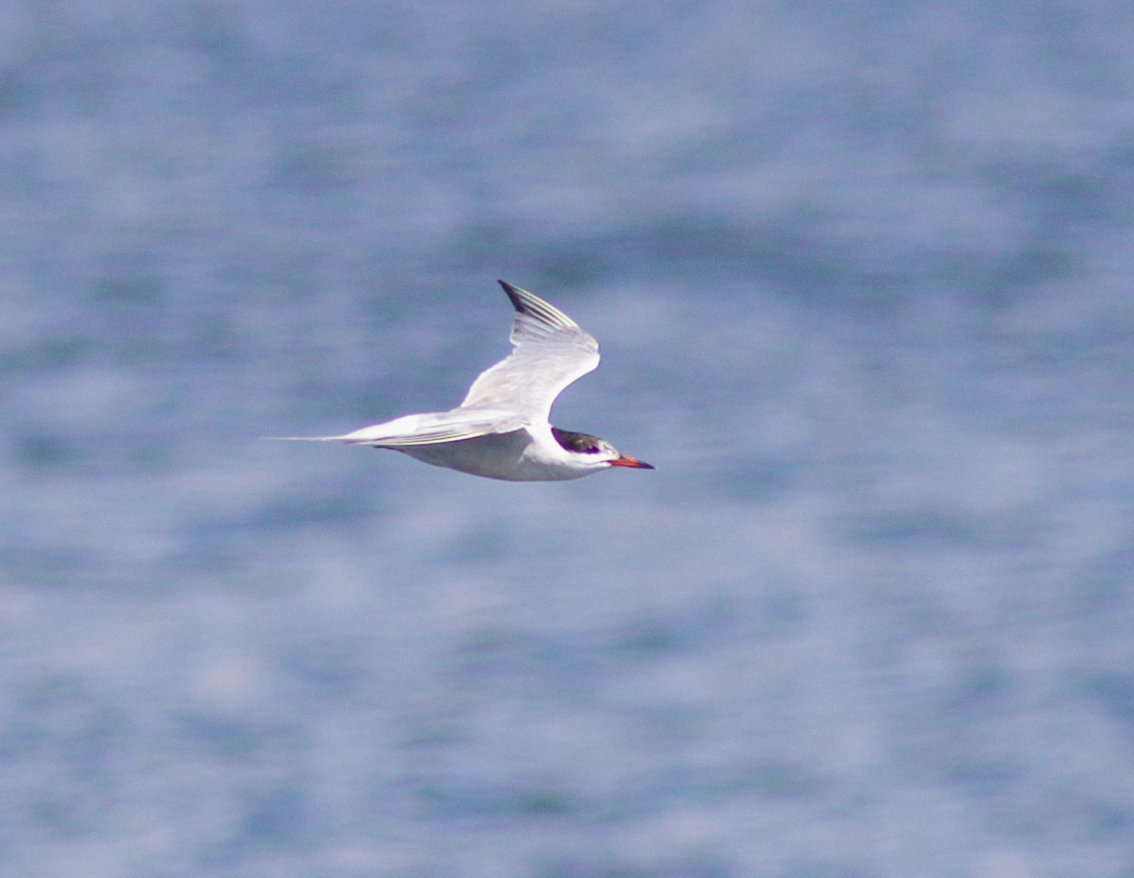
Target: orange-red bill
{"type": "Point", "coordinates": [630, 461]}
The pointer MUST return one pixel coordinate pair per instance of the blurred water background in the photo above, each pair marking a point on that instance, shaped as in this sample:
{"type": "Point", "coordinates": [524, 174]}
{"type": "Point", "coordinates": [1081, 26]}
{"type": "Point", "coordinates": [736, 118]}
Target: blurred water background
{"type": "Point", "coordinates": [861, 274]}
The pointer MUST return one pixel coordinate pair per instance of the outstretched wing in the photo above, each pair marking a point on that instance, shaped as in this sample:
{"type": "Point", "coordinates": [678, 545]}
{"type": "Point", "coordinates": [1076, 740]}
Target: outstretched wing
{"type": "Point", "coordinates": [551, 352]}
{"type": "Point", "coordinates": [437, 436]}
{"type": "Point", "coordinates": [429, 429]}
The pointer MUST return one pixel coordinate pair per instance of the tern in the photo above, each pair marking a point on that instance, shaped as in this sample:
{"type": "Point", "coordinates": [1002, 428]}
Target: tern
{"type": "Point", "coordinates": [501, 430]}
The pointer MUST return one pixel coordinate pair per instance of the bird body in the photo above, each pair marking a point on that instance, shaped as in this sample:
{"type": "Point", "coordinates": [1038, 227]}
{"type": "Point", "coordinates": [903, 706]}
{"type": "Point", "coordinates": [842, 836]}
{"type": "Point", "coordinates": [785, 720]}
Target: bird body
{"type": "Point", "coordinates": [501, 429]}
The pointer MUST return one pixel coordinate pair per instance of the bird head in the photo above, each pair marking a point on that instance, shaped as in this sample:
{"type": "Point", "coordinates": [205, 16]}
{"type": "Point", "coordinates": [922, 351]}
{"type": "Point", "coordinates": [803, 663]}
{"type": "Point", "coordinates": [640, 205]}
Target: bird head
{"type": "Point", "coordinates": [591, 451]}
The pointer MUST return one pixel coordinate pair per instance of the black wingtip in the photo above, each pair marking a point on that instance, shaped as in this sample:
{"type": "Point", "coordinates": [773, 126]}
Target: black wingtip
{"type": "Point", "coordinates": [533, 306]}
{"type": "Point", "coordinates": [513, 294]}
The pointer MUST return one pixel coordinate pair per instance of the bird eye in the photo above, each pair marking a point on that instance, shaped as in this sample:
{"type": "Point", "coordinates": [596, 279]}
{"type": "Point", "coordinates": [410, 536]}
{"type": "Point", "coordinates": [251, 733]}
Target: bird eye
{"type": "Point", "coordinates": [592, 449]}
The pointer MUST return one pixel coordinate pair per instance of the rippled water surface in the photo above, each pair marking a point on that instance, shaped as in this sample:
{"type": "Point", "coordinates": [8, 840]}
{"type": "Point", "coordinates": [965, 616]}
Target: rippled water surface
{"type": "Point", "coordinates": [862, 277]}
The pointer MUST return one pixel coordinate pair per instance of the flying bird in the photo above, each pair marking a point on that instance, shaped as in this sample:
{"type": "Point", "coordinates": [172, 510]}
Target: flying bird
{"type": "Point", "coordinates": [501, 430]}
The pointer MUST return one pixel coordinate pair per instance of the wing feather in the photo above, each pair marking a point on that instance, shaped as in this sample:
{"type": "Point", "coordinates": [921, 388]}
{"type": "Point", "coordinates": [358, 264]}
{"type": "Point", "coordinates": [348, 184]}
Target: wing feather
{"type": "Point", "coordinates": [438, 437]}
{"type": "Point", "coordinates": [428, 429]}
{"type": "Point", "coordinates": [434, 429]}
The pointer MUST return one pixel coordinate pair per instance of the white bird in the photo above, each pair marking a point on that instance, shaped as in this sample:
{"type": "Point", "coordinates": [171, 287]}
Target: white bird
{"type": "Point", "coordinates": [501, 430]}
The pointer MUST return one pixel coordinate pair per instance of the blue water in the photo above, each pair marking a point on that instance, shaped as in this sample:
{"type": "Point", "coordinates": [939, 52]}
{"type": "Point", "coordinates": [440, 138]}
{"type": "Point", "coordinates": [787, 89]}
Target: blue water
{"type": "Point", "coordinates": [862, 277]}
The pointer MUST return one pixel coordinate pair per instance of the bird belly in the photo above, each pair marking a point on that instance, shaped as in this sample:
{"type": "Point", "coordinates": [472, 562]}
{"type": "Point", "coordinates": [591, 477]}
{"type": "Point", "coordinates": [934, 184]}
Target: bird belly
{"type": "Point", "coordinates": [504, 456]}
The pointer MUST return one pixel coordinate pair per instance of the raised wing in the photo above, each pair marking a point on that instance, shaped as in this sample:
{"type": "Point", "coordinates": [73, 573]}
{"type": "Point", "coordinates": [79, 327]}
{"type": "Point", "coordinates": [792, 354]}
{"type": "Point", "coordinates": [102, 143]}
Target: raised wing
{"type": "Point", "coordinates": [551, 352]}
